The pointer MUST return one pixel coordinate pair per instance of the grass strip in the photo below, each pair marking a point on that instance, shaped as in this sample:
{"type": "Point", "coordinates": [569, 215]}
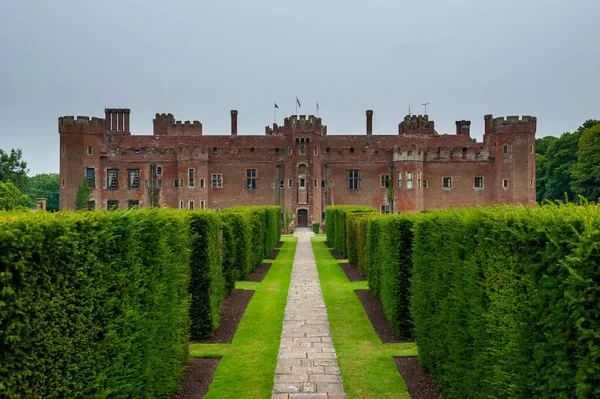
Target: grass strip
{"type": "Point", "coordinates": [247, 285]}
{"type": "Point", "coordinates": [359, 285]}
{"type": "Point", "coordinates": [247, 365]}
{"type": "Point", "coordinates": [368, 369]}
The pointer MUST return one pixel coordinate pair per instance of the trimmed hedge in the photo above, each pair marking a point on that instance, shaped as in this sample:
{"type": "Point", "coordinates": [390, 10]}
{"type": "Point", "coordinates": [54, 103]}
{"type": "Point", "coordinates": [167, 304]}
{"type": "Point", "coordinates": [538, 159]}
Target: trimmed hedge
{"type": "Point", "coordinates": [506, 301]}
{"type": "Point", "coordinates": [335, 224]}
{"type": "Point", "coordinates": [93, 304]}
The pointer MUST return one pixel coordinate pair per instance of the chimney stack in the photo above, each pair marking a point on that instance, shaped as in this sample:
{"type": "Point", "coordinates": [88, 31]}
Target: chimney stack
{"type": "Point", "coordinates": [234, 114]}
{"type": "Point", "coordinates": [369, 122]}
{"type": "Point", "coordinates": [463, 127]}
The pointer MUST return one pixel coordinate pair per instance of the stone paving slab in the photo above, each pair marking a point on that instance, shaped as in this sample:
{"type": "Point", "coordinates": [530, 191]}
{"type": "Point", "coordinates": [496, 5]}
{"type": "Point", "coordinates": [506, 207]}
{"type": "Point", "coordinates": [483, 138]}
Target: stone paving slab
{"type": "Point", "coordinates": [307, 365]}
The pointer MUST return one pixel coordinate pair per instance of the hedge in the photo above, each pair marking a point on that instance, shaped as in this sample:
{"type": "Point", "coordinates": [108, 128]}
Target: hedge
{"type": "Point", "coordinates": [335, 224]}
{"type": "Point", "coordinates": [506, 301]}
{"type": "Point", "coordinates": [93, 304]}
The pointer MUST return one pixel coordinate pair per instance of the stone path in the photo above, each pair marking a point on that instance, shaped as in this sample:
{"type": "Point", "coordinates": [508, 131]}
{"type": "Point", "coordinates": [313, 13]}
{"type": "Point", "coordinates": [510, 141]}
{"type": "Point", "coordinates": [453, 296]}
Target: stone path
{"type": "Point", "coordinates": [307, 365]}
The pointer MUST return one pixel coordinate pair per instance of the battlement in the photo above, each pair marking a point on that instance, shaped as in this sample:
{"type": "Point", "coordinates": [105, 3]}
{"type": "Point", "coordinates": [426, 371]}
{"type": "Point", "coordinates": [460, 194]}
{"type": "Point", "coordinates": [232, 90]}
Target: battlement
{"type": "Point", "coordinates": [416, 124]}
{"type": "Point", "coordinates": [299, 124]}
{"type": "Point", "coordinates": [81, 124]}
{"type": "Point", "coordinates": [510, 124]}
{"type": "Point", "coordinates": [166, 125]}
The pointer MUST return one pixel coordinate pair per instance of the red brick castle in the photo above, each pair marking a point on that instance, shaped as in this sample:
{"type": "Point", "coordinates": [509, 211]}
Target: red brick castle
{"type": "Point", "coordinates": [297, 165]}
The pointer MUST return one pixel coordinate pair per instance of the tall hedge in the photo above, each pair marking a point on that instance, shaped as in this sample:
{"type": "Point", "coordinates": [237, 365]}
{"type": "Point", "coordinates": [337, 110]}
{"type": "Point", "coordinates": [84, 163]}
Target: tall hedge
{"type": "Point", "coordinates": [93, 304]}
{"type": "Point", "coordinates": [506, 301]}
{"type": "Point", "coordinates": [335, 224]}
{"type": "Point", "coordinates": [354, 240]}
{"type": "Point", "coordinates": [207, 283]}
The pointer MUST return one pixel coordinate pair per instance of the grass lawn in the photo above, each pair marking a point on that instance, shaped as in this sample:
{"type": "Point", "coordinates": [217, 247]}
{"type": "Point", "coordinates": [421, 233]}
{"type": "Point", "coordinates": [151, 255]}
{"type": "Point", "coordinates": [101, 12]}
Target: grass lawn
{"type": "Point", "coordinates": [367, 367]}
{"type": "Point", "coordinates": [247, 366]}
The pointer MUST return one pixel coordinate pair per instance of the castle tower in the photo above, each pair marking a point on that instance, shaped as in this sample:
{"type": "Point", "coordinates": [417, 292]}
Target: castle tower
{"type": "Point", "coordinates": [80, 158]}
{"type": "Point", "coordinates": [511, 142]}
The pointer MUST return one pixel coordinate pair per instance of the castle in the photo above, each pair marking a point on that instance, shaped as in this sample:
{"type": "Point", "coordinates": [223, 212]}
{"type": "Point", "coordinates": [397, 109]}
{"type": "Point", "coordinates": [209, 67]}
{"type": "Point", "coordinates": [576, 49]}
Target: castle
{"type": "Point", "coordinates": [297, 165]}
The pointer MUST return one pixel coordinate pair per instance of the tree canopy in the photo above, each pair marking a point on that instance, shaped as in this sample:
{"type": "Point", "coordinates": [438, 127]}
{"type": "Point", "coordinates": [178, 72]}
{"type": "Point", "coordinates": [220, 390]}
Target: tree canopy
{"type": "Point", "coordinates": [45, 185]}
{"type": "Point", "coordinates": [14, 168]}
{"type": "Point", "coordinates": [11, 197]}
{"type": "Point", "coordinates": [586, 171]}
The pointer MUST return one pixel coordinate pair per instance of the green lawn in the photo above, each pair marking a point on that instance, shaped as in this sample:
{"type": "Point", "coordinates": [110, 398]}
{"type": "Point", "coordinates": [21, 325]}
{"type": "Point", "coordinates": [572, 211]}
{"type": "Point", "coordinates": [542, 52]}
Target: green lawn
{"type": "Point", "coordinates": [247, 366]}
{"type": "Point", "coordinates": [368, 369]}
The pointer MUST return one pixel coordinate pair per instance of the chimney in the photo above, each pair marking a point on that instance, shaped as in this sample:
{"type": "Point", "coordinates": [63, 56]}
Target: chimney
{"type": "Point", "coordinates": [463, 127]}
{"type": "Point", "coordinates": [126, 119]}
{"type": "Point", "coordinates": [234, 114]}
{"type": "Point", "coordinates": [369, 121]}
{"type": "Point", "coordinates": [107, 116]}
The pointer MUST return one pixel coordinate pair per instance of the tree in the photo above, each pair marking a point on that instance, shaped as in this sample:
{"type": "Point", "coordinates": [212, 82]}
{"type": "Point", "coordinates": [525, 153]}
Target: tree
{"type": "Point", "coordinates": [586, 172]}
{"type": "Point", "coordinates": [560, 159]}
{"type": "Point", "coordinates": [45, 185]}
{"type": "Point", "coordinates": [83, 195]}
{"type": "Point", "coordinates": [541, 160]}
{"type": "Point", "coordinates": [11, 198]}
{"type": "Point", "coordinates": [14, 168]}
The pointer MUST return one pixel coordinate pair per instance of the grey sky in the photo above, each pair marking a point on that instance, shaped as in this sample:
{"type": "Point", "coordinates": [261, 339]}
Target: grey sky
{"type": "Point", "coordinates": [199, 59]}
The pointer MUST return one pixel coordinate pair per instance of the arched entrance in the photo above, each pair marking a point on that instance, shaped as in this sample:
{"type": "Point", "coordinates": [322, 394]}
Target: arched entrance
{"type": "Point", "coordinates": [302, 218]}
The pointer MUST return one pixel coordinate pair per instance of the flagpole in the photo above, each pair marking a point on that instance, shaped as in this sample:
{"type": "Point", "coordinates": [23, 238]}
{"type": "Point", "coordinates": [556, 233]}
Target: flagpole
{"type": "Point", "coordinates": [317, 109]}
{"type": "Point", "coordinates": [296, 106]}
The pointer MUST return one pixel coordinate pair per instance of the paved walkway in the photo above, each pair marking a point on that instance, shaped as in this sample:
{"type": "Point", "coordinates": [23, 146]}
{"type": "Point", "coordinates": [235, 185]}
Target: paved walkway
{"type": "Point", "coordinates": [307, 365]}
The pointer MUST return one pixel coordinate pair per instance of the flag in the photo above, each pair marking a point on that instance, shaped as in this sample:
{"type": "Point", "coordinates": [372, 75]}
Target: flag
{"type": "Point", "coordinates": [276, 106]}
{"type": "Point", "coordinates": [317, 105]}
{"type": "Point", "coordinates": [298, 101]}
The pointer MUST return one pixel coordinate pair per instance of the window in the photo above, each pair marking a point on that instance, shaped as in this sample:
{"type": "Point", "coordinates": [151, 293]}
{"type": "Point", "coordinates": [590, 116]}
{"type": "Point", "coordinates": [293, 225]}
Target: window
{"type": "Point", "coordinates": [419, 179]}
{"type": "Point", "coordinates": [399, 179]}
{"type": "Point", "coordinates": [111, 179]}
{"type": "Point", "coordinates": [90, 175]}
{"type": "Point", "coordinates": [316, 183]}
{"type": "Point", "coordinates": [478, 183]}
{"type": "Point", "coordinates": [447, 182]}
{"type": "Point", "coordinates": [251, 179]}
{"type": "Point", "coordinates": [62, 149]}
{"type": "Point", "coordinates": [327, 150]}
{"type": "Point", "coordinates": [531, 149]}
{"type": "Point", "coordinates": [409, 180]}
{"type": "Point", "coordinates": [132, 204]}
{"type": "Point", "coordinates": [252, 150]}
{"type": "Point", "coordinates": [217, 180]}
{"type": "Point", "coordinates": [353, 179]}
{"type": "Point", "coordinates": [159, 170]}
{"type": "Point", "coordinates": [290, 151]}
{"type": "Point", "coordinates": [531, 183]}
{"type": "Point", "coordinates": [276, 150]}
{"type": "Point", "coordinates": [302, 150]}
{"type": "Point", "coordinates": [202, 204]}
{"type": "Point", "coordinates": [315, 151]}
{"type": "Point", "coordinates": [351, 150]}
{"type": "Point", "coordinates": [146, 184]}
{"type": "Point", "coordinates": [90, 150]}
{"type": "Point", "coordinates": [180, 204]}
{"type": "Point", "coordinates": [181, 183]}
{"type": "Point", "coordinates": [505, 149]}
{"type": "Point", "coordinates": [62, 183]}
{"type": "Point", "coordinates": [112, 204]}
{"type": "Point", "coordinates": [201, 183]}
{"type": "Point", "coordinates": [385, 181]}
{"type": "Point", "coordinates": [323, 182]}
{"type": "Point", "coordinates": [91, 205]}
{"type": "Point", "coordinates": [191, 177]}
{"type": "Point", "coordinates": [191, 204]}
{"type": "Point", "coordinates": [133, 177]}
{"type": "Point", "coordinates": [505, 183]}
{"type": "Point", "coordinates": [424, 183]}
{"type": "Point", "coordinates": [385, 208]}
{"type": "Point", "coordinates": [289, 183]}
{"type": "Point", "coordinates": [159, 183]}
{"type": "Point", "coordinates": [215, 150]}
{"type": "Point", "coordinates": [281, 184]}
{"type": "Point", "coordinates": [175, 183]}
{"type": "Point", "coordinates": [302, 183]}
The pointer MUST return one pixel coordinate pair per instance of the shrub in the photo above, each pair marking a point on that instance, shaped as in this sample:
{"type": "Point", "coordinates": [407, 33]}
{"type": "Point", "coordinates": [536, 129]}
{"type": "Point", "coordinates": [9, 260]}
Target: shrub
{"type": "Point", "coordinates": [315, 227]}
{"type": "Point", "coordinates": [335, 222]}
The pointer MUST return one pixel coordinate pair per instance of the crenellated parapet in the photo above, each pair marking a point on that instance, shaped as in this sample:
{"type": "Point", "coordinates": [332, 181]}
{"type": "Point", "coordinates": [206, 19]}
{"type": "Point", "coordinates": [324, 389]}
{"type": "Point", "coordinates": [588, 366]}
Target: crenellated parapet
{"type": "Point", "coordinates": [81, 124]}
{"type": "Point", "coordinates": [416, 124]}
{"type": "Point", "coordinates": [299, 124]}
{"type": "Point", "coordinates": [166, 125]}
{"type": "Point", "coordinates": [510, 124]}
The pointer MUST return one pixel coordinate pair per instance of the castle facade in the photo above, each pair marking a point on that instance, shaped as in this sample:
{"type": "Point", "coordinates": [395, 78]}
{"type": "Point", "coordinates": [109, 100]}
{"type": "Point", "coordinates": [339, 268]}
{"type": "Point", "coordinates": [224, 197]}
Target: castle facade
{"type": "Point", "coordinates": [296, 165]}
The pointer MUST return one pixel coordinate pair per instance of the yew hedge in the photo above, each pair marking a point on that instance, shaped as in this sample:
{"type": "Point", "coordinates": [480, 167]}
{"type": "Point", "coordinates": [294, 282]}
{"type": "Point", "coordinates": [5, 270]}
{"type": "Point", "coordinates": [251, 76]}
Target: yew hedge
{"type": "Point", "coordinates": [102, 304]}
{"type": "Point", "coordinates": [335, 224]}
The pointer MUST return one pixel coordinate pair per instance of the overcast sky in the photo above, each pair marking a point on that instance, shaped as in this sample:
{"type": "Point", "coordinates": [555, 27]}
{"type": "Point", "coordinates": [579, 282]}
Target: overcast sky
{"type": "Point", "coordinates": [200, 59]}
